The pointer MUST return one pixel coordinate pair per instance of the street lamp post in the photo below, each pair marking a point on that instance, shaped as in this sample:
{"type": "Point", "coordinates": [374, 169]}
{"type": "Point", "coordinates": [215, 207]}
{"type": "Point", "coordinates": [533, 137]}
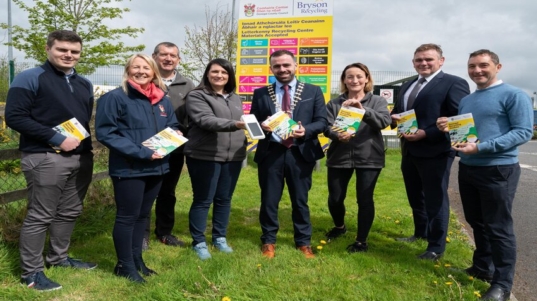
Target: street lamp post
{"type": "Point", "coordinates": [233, 9]}
{"type": "Point", "coordinates": [10, 47]}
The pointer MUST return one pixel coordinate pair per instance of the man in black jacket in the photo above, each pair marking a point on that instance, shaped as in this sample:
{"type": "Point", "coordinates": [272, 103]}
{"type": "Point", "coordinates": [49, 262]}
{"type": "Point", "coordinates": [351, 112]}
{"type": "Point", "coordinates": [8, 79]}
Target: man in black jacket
{"type": "Point", "coordinates": [291, 160]}
{"type": "Point", "coordinates": [427, 154]}
{"type": "Point", "coordinates": [166, 55]}
{"type": "Point", "coordinates": [58, 168]}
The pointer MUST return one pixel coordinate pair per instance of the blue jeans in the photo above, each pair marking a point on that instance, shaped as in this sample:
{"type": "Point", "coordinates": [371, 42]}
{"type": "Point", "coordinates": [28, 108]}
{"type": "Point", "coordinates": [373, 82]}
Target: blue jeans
{"type": "Point", "coordinates": [134, 199]}
{"type": "Point", "coordinates": [487, 194]}
{"type": "Point", "coordinates": [212, 182]}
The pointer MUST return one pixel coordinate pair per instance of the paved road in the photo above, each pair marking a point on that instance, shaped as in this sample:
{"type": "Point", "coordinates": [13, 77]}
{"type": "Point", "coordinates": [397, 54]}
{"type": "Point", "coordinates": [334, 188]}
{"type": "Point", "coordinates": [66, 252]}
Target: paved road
{"type": "Point", "coordinates": [525, 217]}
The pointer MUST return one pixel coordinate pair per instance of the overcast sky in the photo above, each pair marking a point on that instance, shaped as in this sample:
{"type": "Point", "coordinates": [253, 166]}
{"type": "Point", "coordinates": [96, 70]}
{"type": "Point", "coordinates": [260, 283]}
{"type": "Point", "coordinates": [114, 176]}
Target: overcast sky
{"type": "Point", "coordinates": [382, 34]}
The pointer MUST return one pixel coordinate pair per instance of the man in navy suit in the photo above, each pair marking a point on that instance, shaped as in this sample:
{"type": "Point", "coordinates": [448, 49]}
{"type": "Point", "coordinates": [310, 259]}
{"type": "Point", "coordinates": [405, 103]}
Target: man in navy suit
{"type": "Point", "coordinates": [426, 154]}
{"type": "Point", "coordinates": [291, 160]}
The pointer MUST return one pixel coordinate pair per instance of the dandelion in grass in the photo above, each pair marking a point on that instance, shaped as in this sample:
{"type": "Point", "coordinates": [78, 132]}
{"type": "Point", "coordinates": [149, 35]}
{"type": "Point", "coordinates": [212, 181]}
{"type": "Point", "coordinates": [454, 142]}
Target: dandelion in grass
{"type": "Point", "coordinates": [448, 239]}
{"type": "Point", "coordinates": [477, 294]}
{"type": "Point", "coordinates": [323, 242]}
{"type": "Point", "coordinates": [449, 283]}
{"type": "Point", "coordinates": [447, 265]}
{"type": "Point", "coordinates": [319, 248]}
{"type": "Point", "coordinates": [435, 282]}
{"type": "Point", "coordinates": [226, 298]}
{"type": "Point", "coordinates": [397, 221]}
{"type": "Point", "coordinates": [470, 278]}
{"type": "Point", "coordinates": [259, 267]}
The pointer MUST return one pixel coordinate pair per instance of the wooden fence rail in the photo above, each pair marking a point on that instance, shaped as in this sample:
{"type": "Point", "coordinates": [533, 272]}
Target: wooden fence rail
{"type": "Point", "coordinates": [17, 195]}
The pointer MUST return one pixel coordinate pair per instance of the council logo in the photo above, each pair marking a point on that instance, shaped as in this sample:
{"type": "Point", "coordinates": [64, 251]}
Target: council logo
{"type": "Point", "coordinates": [249, 10]}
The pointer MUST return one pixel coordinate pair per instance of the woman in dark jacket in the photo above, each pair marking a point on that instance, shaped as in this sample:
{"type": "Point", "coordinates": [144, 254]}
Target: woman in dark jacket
{"type": "Point", "coordinates": [125, 118]}
{"type": "Point", "coordinates": [361, 153]}
{"type": "Point", "coordinates": [214, 153]}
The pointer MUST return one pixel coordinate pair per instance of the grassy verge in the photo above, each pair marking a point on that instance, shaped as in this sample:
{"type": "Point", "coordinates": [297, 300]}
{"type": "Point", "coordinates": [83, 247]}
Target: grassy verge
{"type": "Point", "coordinates": [389, 271]}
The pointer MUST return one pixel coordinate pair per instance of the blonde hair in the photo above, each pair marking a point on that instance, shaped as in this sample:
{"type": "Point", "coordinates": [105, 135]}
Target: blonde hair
{"type": "Point", "coordinates": [157, 80]}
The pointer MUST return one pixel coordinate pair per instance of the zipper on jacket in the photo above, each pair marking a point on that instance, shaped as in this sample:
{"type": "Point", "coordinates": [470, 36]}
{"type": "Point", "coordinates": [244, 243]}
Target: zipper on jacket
{"type": "Point", "coordinates": [230, 133]}
{"type": "Point", "coordinates": [69, 83]}
{"type": "Point", "coordinates": [156, 128]}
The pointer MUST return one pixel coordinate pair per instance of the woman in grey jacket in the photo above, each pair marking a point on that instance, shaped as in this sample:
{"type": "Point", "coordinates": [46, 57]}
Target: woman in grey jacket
{"type": "Point", "coordinates": [361, 153]}
{"type": "Point", "coordinates": [214, 153]}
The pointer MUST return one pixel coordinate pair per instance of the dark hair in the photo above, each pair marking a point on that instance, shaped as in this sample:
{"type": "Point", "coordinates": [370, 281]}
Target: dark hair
{"type": "Point", "coordinates": [165, 44]}
{"type": "Point", "coordinates": [368, 86]}
{"type": "Point", "coordinates": [63, 35]}
{"type": "Point", "coordinates": [281, 52]}
{"type": "Point", "coordinates": [493, 56]}
{"type": "Point", "coordinates": [430, 46]}
{"type": "Point", "coordinates": [231, 83]}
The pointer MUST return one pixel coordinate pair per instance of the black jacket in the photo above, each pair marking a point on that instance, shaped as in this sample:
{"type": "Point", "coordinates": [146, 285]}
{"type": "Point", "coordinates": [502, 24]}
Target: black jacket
{"type": "Point", "coordinates": [366, 148]}
{"type": "Point", "coordinates": [40, 99]}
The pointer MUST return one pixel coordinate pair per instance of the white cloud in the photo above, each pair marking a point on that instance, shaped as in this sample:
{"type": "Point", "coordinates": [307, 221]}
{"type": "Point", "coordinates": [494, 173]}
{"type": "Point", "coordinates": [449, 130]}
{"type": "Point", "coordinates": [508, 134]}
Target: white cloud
{"type": "Point", "coordinates": [379, 33]}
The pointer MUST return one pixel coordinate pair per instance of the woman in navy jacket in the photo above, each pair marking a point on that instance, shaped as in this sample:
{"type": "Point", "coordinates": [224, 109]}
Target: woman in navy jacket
{"type": "Point", "coordinates": [125, 118]}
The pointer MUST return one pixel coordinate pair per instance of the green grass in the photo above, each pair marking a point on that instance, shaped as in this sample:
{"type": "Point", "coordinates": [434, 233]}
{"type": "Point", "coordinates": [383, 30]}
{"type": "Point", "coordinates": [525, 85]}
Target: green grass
{"type": "Point", "coordinates": [389, 271]}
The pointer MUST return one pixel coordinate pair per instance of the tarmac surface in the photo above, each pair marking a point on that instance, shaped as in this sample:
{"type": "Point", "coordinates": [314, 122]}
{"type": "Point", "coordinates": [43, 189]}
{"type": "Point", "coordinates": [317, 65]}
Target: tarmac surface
{"type": "Point", "coordinates": [525, 221]}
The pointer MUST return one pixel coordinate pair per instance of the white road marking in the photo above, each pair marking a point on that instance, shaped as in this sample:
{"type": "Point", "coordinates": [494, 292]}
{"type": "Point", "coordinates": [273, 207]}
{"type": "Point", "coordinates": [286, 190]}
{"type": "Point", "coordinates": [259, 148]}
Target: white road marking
{"type": "Point", "coordinates": [534, 168]}
{"type": "Point", "coordinates": [525, 153]}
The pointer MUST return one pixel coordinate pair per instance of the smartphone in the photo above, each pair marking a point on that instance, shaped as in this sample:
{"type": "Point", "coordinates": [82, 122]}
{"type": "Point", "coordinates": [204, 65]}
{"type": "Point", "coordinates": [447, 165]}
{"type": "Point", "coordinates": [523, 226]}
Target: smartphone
{"type": "Point", "coordinates": [253, 127]}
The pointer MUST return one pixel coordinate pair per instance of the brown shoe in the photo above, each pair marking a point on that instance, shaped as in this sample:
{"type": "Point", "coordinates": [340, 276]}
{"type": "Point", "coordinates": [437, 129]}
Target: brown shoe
{"type": "Point", "coordinates": [268, 250]}
{"type": "Point", "coordinates": [306, 250]}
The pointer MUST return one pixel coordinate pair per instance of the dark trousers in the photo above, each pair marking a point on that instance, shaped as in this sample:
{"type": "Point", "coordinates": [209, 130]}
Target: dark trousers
{"type": "Point", "coordinates": [426, 182]}
{"type": "Point", "coordinates": [134, 199]}
{"type": "Point", "coordinates": [212, 183]}
{"type": "Point", "coordinates": [366, 179]}
{"type": "Point", "coordinates": [487, 194]}
{"type": "Point", "coordinates": [285, 164]}
{"type": "Point", "coordinates": [165, 203]}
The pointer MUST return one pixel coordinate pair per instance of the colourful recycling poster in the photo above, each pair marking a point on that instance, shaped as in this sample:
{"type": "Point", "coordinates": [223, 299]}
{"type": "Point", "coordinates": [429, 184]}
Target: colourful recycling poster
{"type": "Point", "coordinates": [304, 27]}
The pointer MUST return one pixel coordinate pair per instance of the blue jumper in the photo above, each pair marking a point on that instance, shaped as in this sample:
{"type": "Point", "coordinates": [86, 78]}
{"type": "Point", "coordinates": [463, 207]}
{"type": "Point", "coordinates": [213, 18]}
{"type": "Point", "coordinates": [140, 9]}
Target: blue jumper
{"type": "Point", "coordinates": [504, 120]}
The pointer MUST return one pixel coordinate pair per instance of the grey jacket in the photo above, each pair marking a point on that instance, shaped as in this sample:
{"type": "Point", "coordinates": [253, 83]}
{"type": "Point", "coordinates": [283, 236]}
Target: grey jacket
{"type": "Point", "coordinates": [212, 134]}
{"type": "Point", "coordinates": [366, 148]}
{"type": "Point", "coordinates": [177, 92]}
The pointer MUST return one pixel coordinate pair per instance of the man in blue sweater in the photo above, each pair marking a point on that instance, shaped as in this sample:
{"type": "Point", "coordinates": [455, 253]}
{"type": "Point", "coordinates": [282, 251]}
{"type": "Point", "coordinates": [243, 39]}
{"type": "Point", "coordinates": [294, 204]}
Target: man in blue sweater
{"type": "Point", "coordinates": [58, 168]}
{"type": "Point", "coordinates": [489, 170]}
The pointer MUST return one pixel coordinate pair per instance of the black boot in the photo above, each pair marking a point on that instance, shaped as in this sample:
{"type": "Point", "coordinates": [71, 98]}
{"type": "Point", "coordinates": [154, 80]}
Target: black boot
{"type": "Point", "coordinates": [142, 268]}
{"type": "Point", "coordinates": [128, 272]}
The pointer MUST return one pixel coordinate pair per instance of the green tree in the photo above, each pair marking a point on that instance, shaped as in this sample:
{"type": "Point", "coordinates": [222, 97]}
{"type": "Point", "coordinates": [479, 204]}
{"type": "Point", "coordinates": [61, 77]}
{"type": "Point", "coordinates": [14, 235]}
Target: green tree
{"type": "Point", "coordinates": [4, 79]}
{"type": "Point", "coordinates": [87, 18]}
{"type": "Point", "coordinates": [4, 76]}
{"type": "Point", "coordinates": [217, 38]}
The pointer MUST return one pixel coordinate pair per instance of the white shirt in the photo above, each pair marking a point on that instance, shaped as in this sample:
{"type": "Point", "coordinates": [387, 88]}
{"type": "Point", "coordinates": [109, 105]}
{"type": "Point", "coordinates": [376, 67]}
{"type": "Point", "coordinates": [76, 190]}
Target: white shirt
{"type": "Point", "coordinates": [427, 80]}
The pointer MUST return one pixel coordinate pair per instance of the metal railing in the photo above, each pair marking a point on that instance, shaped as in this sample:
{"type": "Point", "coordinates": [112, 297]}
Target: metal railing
{"type": "Point", "coordinates": [12, 182]}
